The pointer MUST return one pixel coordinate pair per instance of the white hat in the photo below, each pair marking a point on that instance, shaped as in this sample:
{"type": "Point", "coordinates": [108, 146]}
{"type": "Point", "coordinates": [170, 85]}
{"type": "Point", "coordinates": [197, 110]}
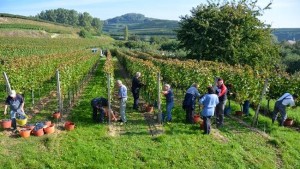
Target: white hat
{"type": "Point", "coordinates": [12, 93]}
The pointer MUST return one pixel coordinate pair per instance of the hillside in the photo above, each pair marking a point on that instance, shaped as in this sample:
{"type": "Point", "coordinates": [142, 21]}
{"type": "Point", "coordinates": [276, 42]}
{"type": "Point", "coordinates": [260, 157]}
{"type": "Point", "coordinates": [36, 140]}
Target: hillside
{"type": "Point", "coordinates": [284, 34]}
{"type": "Point", "coordinates": [143, 26]}
{"type": "Point", "coordinates": [26, 27]}
{"type": "Point", "coordinates": [139, 25]}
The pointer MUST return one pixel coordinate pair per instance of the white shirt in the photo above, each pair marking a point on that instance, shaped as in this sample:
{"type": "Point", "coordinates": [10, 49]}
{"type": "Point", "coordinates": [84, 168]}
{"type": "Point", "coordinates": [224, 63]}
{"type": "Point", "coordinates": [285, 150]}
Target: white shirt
{"type": "Point", "coordinates": [288, 99]}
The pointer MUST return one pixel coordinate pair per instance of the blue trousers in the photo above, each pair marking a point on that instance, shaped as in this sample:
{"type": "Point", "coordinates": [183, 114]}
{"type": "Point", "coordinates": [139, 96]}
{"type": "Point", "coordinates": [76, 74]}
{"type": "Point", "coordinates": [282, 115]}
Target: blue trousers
{"type": "Point", "coordinates": [206, 120]}
{"type": "Point", "coordinates": [168, 115]}
{"type": "Point", "coordinates": [123, 109]}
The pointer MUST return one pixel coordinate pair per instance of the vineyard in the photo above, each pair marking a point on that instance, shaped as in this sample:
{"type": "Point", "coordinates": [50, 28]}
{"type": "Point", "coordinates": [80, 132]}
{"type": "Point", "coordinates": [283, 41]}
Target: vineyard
{"type": "Point", "coordinates": [246, 83]}
{"type": "Point", "coordinates": [31, 65]}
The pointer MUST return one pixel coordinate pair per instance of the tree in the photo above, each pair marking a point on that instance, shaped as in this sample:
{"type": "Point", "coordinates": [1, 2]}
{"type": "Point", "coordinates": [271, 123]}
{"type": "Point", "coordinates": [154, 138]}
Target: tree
{"type": "Point", "coordinates": [97, 25]}
{"type": "Point", "coordinates": [73, 18]}
{"type": "Point", "coordinates": [85, 20]}
{"type": "Point", "coordinates": [126, 34]}
{"type": "Point", "coordinates": [228, 32]}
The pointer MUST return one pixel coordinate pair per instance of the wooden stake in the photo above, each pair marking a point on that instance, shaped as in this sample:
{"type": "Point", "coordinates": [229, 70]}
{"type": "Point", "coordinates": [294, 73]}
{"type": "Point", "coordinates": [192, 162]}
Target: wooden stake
{"type": "Point", "coordinates": [7, 82]}
{"type": "Point", "coordinates": [108, 98]}
{"type": "Point", "coordinates": [159, 99]}
{"type": "Point", "coordinates": [255, 118]}
{"type": "Point", "coordinates": [58, 92]}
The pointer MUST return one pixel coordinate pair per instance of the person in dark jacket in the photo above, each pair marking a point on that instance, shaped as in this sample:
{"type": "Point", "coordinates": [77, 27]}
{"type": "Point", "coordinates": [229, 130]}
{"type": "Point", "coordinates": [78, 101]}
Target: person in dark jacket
{"type": "Point", "coordinates": [189, 102]}
{"type": "Point", "coordinates": [221, 91]}
{"type": "Point", "coordinates": [16, 104]}
{"type": "Point", "coordinates": [98, 104]}
{"type": "Point", "coordinates": [135, 89]}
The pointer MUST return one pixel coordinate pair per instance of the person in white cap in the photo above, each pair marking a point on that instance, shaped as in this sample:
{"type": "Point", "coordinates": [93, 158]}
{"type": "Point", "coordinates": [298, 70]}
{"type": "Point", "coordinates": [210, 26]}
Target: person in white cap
{"type": "Point", "coordinates": [122, 96]}
{"type": "Point", "coordinates": [16, 103]}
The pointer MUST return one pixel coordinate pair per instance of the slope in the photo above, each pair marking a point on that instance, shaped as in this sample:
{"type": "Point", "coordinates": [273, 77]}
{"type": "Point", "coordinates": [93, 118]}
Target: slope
{"type": "Point", "coordinates": [11, 25]}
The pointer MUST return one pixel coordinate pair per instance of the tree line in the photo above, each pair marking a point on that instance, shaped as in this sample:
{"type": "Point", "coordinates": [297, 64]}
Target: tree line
{"type": "Point", "coordinates": [73, 18]}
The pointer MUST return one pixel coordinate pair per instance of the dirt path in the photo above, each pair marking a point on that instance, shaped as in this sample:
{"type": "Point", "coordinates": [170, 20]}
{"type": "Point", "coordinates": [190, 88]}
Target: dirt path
{"type": "Point", "coordinates": [154, 128]}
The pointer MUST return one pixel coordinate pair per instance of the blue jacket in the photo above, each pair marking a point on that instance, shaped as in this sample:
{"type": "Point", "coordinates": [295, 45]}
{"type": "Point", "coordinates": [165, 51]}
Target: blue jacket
{"type": "Point", "coordinates": [209, 101]}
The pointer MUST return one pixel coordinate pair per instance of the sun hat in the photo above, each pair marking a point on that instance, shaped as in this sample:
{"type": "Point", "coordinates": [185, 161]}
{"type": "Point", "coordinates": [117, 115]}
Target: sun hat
{"type": "Point", "coordinates": [12, 93]}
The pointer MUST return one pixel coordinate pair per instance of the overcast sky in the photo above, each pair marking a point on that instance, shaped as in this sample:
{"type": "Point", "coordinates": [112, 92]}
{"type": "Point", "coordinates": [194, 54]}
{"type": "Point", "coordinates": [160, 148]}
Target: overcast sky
{"type": "Point", "coordinates": [284, 13]}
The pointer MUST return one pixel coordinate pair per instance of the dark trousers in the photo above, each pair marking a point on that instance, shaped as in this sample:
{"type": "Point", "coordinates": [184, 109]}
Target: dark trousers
{"type": "Point", "coordinates": [220, 113]}
{"type": "Point", "coordinates": [95, 115]}
{"type": "Point", "coordinates": [206, 121]}
{"type": "Point", "coordinates": [14, 123]}
{"type": "Point", "coordinates": [189, 114]}
{"type": "Point", "coordinates": [279, 108]}
{"type": "Point", "coordinates": [246, 107]}
{"type": "Point", "coordinates": [135, 100]}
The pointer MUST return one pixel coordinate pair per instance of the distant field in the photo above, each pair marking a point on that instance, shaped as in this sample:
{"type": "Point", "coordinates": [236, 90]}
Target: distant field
{"type": "Point", "coordinates": [8, 24]}
{"type": "Point", "coordinates": [284, 34]}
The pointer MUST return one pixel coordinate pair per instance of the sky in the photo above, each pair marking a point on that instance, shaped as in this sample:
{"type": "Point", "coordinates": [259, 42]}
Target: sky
{"type": "Point", "coordinates": [284, 13]}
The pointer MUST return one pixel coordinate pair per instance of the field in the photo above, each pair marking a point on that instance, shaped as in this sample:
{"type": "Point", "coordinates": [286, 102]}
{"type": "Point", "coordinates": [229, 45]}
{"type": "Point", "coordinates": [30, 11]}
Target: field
{"type": "Point", "coordinates": [31, 65]}
{"type": "Point", "coordinates": [31, 28]}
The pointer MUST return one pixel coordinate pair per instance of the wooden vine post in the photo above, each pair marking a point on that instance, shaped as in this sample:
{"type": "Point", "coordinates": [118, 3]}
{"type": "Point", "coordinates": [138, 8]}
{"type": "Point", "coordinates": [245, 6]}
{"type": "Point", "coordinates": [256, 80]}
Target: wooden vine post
{"type": "Point", "coordinates": [159, 115]}
{"type": "Point", "coordinates": [255, 118]}
{"type": "Point", "coordinates": [8, 88]}
{"type": "Point", "coordinates": [109, 97]}
{"type": "Point", "coordinates": [58, 92]}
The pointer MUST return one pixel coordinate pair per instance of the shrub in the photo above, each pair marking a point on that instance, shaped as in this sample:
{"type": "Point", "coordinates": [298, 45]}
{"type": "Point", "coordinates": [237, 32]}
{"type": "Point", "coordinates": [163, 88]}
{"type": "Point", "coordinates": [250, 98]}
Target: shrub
{"type": "Point", "coordinates": [85, 34]}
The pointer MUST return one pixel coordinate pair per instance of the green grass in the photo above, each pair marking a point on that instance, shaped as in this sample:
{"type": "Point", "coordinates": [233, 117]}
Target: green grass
{"type": "Point", "coordinates": [181, 145]}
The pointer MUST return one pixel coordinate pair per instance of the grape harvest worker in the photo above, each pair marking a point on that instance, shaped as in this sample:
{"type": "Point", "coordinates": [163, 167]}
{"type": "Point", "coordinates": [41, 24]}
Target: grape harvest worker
{"type": "Point", "coordinates": [168, 93]}
{"type": "Point", "coordinates": [16, 104]}
{"type": "Point", "coordinates": [280, 106]}
{"type": "Point", "coordinates": [209, 102]}
{"type": "Point", "coordinates": [98, 104]}
{"type": "Point", "coordinates": [221, 91]}
{"type": "Point", "coordinates": [122, 96]}
{"type": "Point", "coordinates": [189, 102]}
{"type": "Point", "coordinates": [135, 89]}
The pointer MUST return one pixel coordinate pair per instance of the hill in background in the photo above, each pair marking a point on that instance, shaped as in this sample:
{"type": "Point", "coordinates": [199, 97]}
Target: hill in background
{"type": "Point", "coordinates": [143, 27]}
{"type": "Point", "coordinates": [284, 34]}
{"type": "Point", "coordinates": [139, 25]}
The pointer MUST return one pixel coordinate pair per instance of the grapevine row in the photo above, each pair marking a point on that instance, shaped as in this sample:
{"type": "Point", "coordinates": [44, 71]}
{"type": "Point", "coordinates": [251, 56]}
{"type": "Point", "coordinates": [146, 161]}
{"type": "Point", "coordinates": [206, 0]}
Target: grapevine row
{"type": "Point", "coordinates": [148, 70]}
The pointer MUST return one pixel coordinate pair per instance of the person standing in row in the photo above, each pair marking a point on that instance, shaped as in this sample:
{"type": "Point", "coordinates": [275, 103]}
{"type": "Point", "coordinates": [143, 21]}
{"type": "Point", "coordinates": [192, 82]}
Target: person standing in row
{"type": "Point", "coordinates": [189, 102]}
{"type": "Point", "coordinates": [221, 91]}
{"type": "Point", "coordinates": [280, 106]}
{"type": "Point", "coordinates": [122, 96]}
{"type": "Point", "coordinates": [168, 93]}
{"type": "Point", "coordinates": [16, 104]}
{"type": "Point", "coordinates": [209, 102]}
{"type": "Point", "coordinates": [135, 89]}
